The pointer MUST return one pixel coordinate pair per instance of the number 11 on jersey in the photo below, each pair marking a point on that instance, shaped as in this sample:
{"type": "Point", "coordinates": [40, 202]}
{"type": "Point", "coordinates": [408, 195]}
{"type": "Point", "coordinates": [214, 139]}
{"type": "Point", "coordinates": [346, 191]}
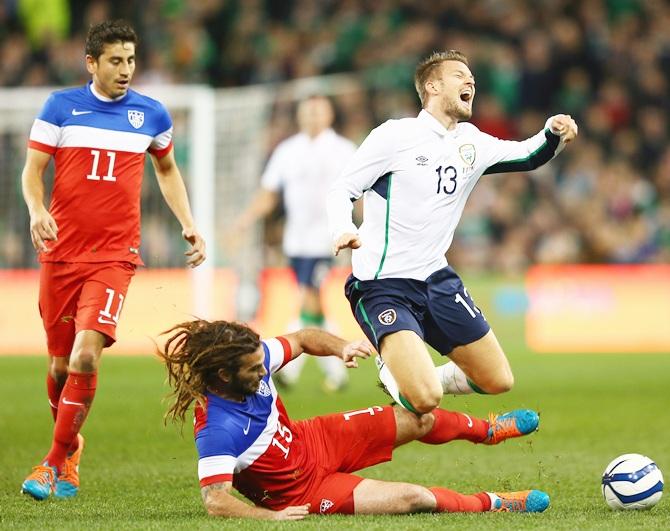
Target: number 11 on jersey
{"type": "Point", "coordinates": [93, 176]}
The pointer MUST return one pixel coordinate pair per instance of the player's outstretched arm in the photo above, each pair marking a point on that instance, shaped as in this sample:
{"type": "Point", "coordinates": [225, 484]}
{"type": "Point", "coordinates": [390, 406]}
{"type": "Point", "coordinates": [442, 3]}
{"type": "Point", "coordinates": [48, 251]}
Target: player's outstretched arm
{"type": "Point", "coordinates": [506, 156]}
{"type": "Point", "coordinates": [321, 343]}
{"type": "Point", "coordinates": [220, 502]}
{"type": "Point", "coordinates": [370, 162]}
{"type": "Point", "coordinates": [42, 225]}
{"type": "Point", "coordinates": [174, 191]}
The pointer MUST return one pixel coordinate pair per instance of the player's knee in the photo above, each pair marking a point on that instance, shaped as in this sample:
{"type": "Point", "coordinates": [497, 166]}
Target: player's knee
{"type": "Point", "coordinates": [415, 425]}
{"type": "Point", "coordinates": [501, 384]}
{"type": "Point", "coordinates": [424, 424]}
{"type": "Point", "coordinates": [58, 371]}
{"type": "Point", "coordinates": [84, 360]}
{"type": "Point", "coordinates": [416, 498]}
{"type": "Point", "coordinates": [425, 400]}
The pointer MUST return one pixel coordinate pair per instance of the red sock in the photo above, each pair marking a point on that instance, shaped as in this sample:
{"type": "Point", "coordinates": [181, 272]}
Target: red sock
{"type": "Point", "coordinates": [449, 426]}
{"type": "Point", "coordinates": [54, 390]}
{"type": "Point", "coordinates": [73, 407]}
{"type": "Point", "coordinates": [449, 501]}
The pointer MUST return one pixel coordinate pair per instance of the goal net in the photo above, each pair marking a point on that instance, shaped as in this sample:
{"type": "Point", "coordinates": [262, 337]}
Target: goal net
{"type": "Point", "coordinates": [222, 140]}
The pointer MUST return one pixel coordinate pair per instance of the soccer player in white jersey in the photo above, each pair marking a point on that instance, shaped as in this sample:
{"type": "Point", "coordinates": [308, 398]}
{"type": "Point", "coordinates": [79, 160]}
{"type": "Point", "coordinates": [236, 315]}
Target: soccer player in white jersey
{"type": "Point", "coordinates": [288, 469]}
{"type": "Point", "coordinates": [415, 175]}
{"type": "Point", "coordinates": [302, 169]}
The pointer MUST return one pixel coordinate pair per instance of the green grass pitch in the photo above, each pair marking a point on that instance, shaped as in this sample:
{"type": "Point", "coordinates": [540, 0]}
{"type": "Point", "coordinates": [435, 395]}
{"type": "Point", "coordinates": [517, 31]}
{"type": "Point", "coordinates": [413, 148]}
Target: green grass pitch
{"type": "Point", "coordinates": [138, 474]}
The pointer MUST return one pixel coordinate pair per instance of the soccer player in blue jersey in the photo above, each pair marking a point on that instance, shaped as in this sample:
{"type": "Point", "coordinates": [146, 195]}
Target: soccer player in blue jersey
{"type": "Point", "coordinates": [415, 175]}
{"type": "Point", "coordinates": [88, 239]}
{"type": "Point", "coordinates": [288, 469]}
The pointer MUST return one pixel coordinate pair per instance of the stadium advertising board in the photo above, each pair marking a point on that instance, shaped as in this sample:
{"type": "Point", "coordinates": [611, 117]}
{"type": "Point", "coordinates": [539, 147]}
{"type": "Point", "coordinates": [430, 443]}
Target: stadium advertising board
{"type": "Point", "coordinates": [598, 308]}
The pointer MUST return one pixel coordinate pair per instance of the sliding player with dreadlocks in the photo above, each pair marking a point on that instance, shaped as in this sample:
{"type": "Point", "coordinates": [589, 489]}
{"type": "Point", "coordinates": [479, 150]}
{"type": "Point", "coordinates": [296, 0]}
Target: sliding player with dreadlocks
{"type": "Point", "coordinates": [289, 469]}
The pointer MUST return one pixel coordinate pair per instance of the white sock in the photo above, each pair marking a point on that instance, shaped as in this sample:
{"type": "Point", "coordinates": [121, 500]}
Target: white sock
{"type": "Point", "coordinates": [453, 379]}
{"type": "Point", "coordinates": [495, 501]}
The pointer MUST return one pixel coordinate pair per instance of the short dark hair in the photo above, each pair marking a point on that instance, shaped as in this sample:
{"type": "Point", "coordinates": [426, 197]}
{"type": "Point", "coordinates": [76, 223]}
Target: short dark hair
{"type": "Point", "coordinates": [108, 32]}
{"type": "Point", "coordinates": [427, 67]}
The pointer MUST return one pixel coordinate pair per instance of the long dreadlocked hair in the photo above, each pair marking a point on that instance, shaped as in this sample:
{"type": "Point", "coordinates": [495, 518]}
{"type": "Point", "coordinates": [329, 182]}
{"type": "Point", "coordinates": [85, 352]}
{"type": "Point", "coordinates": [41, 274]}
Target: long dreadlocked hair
{"type": "Point", "coordinates": [195, 352]}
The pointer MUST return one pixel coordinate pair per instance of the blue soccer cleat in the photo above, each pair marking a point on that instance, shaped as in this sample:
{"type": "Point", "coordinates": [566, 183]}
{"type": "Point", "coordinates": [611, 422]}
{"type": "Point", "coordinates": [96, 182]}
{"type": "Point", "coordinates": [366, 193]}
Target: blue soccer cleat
{"type": "Point", "coordinates": [40, 483]}
{"type": "Point", "coordinates": [513, 424]}
{"type": "Point", "coordinates": [524, 501]}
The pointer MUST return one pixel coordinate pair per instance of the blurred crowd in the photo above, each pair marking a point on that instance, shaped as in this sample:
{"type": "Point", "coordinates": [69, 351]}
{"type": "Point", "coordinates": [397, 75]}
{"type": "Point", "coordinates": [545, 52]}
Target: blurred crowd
{"type": "Point", "coordinates": [605, 62]}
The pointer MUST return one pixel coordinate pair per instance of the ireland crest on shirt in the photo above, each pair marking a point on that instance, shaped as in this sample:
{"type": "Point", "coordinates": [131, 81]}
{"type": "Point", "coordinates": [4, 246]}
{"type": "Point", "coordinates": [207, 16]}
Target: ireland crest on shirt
{"type": "Point", "coordinates": [136, 118]}
{"type": "Point", "coordinates": [468, 153]}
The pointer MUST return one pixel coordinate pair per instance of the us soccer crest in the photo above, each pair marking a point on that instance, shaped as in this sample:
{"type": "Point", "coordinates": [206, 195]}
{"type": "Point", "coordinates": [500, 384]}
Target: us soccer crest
{"type": "Point", "coordinates": [468, 153]}
{"type": "Point", "coordinates": [264, 389]}
{"type": "Point", "coordinates": [136, 118]}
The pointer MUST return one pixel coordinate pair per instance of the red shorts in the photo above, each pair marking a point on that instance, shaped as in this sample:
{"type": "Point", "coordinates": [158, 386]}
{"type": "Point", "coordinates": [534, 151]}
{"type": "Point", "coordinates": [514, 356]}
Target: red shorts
{"type": "Point", "coordinates": [81, 296]}
{"type": "Point", "coordinates": [343, 443]}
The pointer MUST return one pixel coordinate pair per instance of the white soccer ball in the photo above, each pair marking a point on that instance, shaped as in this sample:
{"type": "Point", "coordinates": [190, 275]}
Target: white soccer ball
{"type": "Point", "coordinates": [632, 481]}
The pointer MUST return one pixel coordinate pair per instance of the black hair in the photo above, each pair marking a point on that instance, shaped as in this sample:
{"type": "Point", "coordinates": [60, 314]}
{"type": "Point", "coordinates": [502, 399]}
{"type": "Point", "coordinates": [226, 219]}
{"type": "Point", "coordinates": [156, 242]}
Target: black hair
{"type": "Point", "coordinates": [108, 32]}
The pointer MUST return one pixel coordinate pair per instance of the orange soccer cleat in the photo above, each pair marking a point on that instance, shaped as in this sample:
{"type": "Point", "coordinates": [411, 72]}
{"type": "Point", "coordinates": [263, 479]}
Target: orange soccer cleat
{"type": "Point", "coordinates": [67, 483]}
{"type": "Point", "coordinates": [513, 424]}
{"type": "Point", "coordinates": [40, 482]}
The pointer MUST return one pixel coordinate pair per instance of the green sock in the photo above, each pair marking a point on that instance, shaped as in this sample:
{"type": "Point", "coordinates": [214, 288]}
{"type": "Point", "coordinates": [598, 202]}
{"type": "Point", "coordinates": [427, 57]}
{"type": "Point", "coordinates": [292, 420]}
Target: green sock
{"type": "Point", "coordinates": [310, 319]}
{"type": "Point", "coordinates": [476, 388]}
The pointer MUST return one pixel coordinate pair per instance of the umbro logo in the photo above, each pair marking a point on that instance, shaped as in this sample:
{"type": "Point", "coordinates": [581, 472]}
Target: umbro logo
{"type": "Point", "coordinates": [75, 112]}
{"type": "Point", "coordinates": [421, 160]}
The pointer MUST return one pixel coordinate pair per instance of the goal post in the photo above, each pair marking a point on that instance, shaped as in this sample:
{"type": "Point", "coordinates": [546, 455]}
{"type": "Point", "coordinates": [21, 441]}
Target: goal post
{"type": "Point", "coordinates": [222, 141]}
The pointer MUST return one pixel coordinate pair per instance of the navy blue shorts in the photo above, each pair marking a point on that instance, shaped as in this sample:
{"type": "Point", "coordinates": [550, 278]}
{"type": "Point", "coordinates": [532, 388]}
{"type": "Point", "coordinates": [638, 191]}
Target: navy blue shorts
{"type": "Point", "coordinates": [439, 309]}
{"type": "Point", "coordinates": [310, 271]}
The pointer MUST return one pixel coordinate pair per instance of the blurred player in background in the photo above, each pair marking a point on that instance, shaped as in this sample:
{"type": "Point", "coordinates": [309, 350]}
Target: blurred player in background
{"type": "Point", "coordinates": [416, 175]}
{"type": "Point", "coordinates": [288, 469]}
{"type": "Point", "coordinates": [302, 168]}
{"type": "Point", "coordinates": [89, 239]}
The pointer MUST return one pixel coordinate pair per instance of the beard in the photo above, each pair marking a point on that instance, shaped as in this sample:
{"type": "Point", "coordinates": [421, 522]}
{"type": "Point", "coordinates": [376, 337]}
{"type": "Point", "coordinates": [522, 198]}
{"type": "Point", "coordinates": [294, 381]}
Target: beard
{"type": "Point", "coordinates": [244, 388]}
{"type": "Point", "coordinates": [458, 111]}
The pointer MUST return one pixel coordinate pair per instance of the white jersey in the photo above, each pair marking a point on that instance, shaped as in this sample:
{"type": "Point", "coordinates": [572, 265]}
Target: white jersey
{"type": "Point", "coordinates": [305, 168]}
{"type": "Point", "coordinates": [415, 176]}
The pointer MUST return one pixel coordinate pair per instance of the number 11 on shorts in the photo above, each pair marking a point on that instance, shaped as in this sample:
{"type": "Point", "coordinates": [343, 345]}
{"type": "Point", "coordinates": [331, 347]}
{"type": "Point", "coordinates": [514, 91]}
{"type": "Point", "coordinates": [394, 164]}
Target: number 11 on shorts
{"type": "Point", "coordinates": [460, 300]}
{"type": "Point", "coordinates": [106, 316]}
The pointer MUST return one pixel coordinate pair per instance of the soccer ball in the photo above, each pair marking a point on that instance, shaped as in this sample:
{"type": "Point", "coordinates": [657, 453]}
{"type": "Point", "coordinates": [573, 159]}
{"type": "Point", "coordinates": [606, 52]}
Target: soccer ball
{"type": "Point", "coordinates": [632, 481]}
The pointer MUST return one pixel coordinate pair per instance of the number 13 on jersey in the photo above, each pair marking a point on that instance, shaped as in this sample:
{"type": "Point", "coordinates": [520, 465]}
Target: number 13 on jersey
{"type": "Point", "coordinates": [446, 179]}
